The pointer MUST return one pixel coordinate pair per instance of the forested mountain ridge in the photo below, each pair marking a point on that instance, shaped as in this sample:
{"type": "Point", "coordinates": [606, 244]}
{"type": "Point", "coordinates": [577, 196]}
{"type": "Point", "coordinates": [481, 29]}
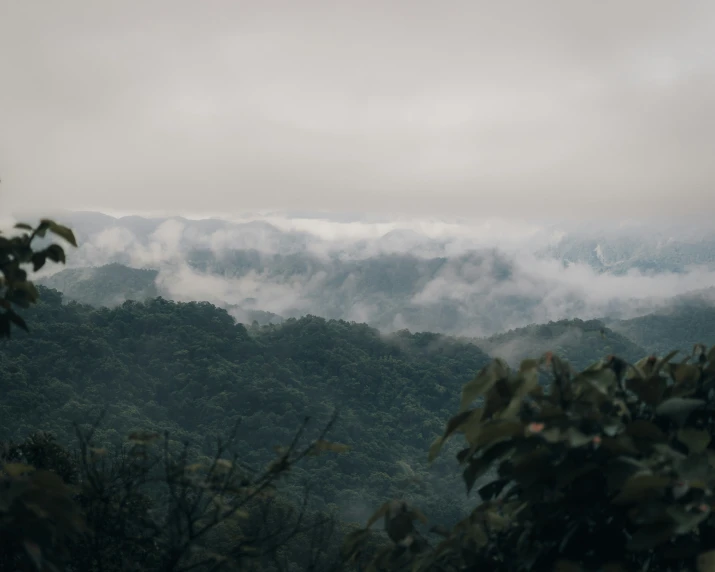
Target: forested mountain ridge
{"type": "Point", "coordinates": [190, 369]}
{"type": "Point", "coordinates": [457, 279]}
{"type": "Point", "coordinates": [578, 341]}
{"type": "Point", "coordinates": [109, 285]}
{"type": "Point", "coordinates": [685, 324]}
{"type": "Point", "coordinates": [112, 284]}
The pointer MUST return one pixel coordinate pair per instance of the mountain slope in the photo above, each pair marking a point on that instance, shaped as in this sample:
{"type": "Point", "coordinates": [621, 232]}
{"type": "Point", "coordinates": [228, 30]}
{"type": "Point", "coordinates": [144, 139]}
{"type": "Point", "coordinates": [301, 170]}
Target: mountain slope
{"type": "Point", "coordinates": [108, 285]}
{"type": "Point", "coordinates": [580, 342]}
{"type": "Point", "coordinates": [189, 368]}
{"type": "Point", "coordinates": [465, 279]}
{"type": "Point", "coordinates": [680, 327]}
{"type": "Point", "coordinates": [112, 284]}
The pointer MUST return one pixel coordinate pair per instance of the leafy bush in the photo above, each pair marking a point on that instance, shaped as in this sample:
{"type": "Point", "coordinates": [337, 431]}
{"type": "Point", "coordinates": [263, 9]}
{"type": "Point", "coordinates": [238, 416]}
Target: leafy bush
{"type": "Point", "coordinates": [607, 469]}
{"type": "Point", "coordinates": [17, 251]}
{"type": "Point", "coordinates": [146, 507]}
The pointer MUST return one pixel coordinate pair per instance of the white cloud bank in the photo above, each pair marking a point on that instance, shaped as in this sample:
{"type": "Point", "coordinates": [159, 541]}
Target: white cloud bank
{"type": "Point", "coordinates": [472, 278]}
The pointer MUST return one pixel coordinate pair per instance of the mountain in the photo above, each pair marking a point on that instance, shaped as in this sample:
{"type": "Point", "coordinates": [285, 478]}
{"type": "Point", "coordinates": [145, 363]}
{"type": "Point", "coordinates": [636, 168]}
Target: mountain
{"type": "Point", "coordinates": [113, 284]}
{"type": "Point", "coordinates": [688, 321]}
{"type": "Point", "coordinates": [580, 342]}
{"type": "Point", "coordinates": [473, 279]}
{"type": "Point", "coordinates": [619, 251]}
{"type": "Point", "coordinates": [190, 369]}
{"type": "Point", "coordinates": [108, 285]}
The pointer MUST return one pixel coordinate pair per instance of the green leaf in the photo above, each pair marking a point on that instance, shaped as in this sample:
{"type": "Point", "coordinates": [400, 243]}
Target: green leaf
{"type": "Point", "coordinates": [23, 226]}
{"type": "Point", "coordinates": [685, 373]}
{"type": "Point", "coordinates": [34, 552]}
{"type": "Point", "coordinates": [491, 490]}
{"type": "Point", "coordinates": [496, 430]}
{"type": "Point", "coordinates": [55, 253]}
{"type": "Point", "coordinates": [642, 487]}
{"type": "Point", "coordinates": [706, 561]}
{"type": "Point", "coordinates": [60, 230]}
{"type": "Point", "coordinates": [18, 321]}
{"type": "Point", "coordinates": [649, 536]}
{"type": "Point", "coordinates": [379, 513]}
{"type": "Point", "coordinates": [642, 429]}
{"type": "Point", "coordinates": [686, 520]}
{"type": "Point", "coordinates": [475, 469]}
{"type": "Point", "coordinates": [649, 390]}
{"type": "Point", "coordinates": [483, 382]}
{"type": "Point", "coordinates": [664, 361]}
{"type": "Point", "coordinates": [453, 425]}
{"type": "Point", "coordinates": [696, 440]}
{"type": "Point", "coordinates": [38, 260]}
{"type": "Point", "coordinates": [17, 469]}
{"type": "Point", "coordinates": [679, 408]}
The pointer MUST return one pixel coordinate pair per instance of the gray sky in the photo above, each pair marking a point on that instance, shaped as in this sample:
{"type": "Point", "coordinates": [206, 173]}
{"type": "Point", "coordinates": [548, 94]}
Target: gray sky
{"type": "Point", "coordinates": [428, 107]}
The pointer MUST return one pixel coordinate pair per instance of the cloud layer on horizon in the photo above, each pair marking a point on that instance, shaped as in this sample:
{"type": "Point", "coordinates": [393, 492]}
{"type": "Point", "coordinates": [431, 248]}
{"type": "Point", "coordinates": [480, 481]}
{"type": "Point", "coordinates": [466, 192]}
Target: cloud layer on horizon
{"type": "Point", "coordinates": [423, 275]}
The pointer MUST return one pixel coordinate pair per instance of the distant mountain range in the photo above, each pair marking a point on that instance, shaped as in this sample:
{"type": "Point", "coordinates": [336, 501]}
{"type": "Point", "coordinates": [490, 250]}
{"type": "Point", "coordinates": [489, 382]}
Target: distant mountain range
{"type": "Point", "coordinates": [688, 320]}
{"type": "Point", "coordinates": [459, 279]}
{"type": "Point", "coordinates": [641, 252]}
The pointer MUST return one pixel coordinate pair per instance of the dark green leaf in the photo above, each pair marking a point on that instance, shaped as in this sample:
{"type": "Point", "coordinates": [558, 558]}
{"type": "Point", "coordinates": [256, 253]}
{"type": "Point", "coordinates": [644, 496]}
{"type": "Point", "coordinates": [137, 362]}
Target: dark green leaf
{"type": "Point", "coordinates": [60, 230]}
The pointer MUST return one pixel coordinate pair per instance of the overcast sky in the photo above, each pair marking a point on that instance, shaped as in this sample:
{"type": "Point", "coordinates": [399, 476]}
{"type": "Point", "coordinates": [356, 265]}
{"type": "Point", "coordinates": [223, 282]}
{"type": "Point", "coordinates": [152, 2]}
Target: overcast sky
{"type": "Point", "coordinates": [428, 107]}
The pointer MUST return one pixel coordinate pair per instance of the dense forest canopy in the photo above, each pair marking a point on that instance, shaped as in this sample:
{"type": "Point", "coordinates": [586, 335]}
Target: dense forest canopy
{"type": "Point", "coordinates": [589, 425]}
{"type": "Point", "coordinates": [189, 368]}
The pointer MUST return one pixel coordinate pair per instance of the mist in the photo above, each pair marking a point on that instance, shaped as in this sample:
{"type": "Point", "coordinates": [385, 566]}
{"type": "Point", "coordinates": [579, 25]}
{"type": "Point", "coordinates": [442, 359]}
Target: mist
{"type": "Point", "coordinates": [468, 278]}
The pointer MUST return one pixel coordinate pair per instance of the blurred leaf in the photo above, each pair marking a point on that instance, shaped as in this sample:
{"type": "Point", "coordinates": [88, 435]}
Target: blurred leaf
{"type": "Point", "coordinates": [17, 320]}
{"type": "Point", "coordinates": [684, 373]}
{"type": "Point", "coordinates": [498, 429]}
{"type": "Point", "coordinates": [483, 382]}
{"type": "Point", "coordinates": [706, 561]}
{"type": "Point", "coordinates": [650, 390]}
{"type": "Point", "coordinates": [17, 469]}
{"type": "Point", "coordinates": [55, 253]}
{"type": "Point", "coordinates": [696, 440]}
{"type": "Point", "coordinates": [661, 363]}
{"type": "Point", "coordinates": [453, 425]}
{"type": "Point", "coordinates": [686, 520]}
{"type": "Point", "coordinates": [642, 429]}
{"type": "Point", "coordinates": [60, 230]}
{"type": "Point", "coordinates": [641, 487]}
{"type": "Point", "coordinates": [379, 513]}
{"type": "Point", "coordinates": [38, 260]}
{"type": "Point", "coordinates": [475, 468]}
{"type": "Point", "coordinates": [649, 536]}
{"type": "Point", "coordinates": [491, 490]}
{"type": "Point", "coordinates": [34, 552]}
{"type": "Point", "coordinates": [679, 408]}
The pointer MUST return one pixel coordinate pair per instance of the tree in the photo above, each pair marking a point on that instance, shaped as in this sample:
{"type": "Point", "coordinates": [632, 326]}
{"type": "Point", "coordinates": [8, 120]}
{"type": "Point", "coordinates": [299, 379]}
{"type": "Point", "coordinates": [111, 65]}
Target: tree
{"type": "Point", "coordinates": [17, 251]}
{"type": "Point", "coordinates": [607, 469]}
{"type": "Point", "coordinates": [147, 505]}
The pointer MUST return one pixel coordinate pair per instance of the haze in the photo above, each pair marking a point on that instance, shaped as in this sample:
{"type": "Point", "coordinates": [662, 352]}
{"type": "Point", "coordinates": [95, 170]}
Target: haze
{"type": "Point", "coordinates": [525, 109]}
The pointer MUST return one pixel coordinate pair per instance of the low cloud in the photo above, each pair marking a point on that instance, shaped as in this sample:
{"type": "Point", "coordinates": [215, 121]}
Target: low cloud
{"type": "Point", "coordinates": [462, 277]}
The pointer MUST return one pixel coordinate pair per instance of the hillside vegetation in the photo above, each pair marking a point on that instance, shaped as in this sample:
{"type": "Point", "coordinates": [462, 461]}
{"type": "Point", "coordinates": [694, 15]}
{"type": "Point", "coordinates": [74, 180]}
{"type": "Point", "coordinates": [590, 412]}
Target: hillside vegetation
{"type": "Point", "coordinates": [602, 467]}
{"type": "Point", "coordinates": [682, 326]}
{"type": "Point", "coordinates": [189, 368]}
{"type": "Point", "coordinates": [577, 341]}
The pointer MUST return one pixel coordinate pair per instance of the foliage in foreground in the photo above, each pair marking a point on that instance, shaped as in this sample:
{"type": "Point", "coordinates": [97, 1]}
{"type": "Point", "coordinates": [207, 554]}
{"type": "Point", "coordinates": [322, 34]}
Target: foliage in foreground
{"type": "Point", "coordinates": [16, 251]}
{"type": "Point", "coordinates": [145, 507]}
{"type": "Point", "coordinates": [607, 469]}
